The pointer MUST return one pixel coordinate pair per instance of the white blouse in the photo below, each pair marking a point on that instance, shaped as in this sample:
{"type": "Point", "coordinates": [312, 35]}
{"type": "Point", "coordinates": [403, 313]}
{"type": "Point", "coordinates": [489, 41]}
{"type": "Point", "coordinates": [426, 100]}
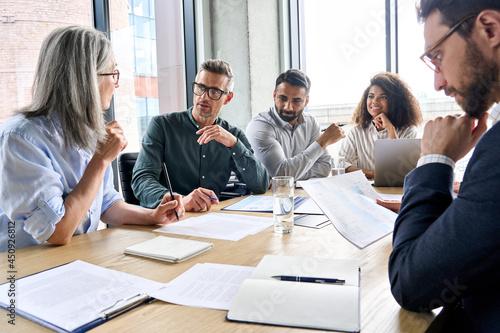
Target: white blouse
{"type": "Point", "coordinates": [358, 147]}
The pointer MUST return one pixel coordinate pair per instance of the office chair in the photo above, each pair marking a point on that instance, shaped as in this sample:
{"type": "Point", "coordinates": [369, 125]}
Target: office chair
{"type": "Point", "coordinates": [234, 189]}
{"type": "Point", "coordinates": [126, 162]}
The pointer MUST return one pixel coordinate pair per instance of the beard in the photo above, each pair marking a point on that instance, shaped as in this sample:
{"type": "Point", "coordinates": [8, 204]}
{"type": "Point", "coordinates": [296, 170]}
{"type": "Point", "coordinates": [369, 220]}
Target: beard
{"type": "Point", "coordinates": [480, 85]}
{"type": "Point", "coordinates": [207, 114]}
{"type": "Point", "coordinates": [287, 118]}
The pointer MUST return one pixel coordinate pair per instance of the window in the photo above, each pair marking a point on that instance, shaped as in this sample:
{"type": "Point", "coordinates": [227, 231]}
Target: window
{"type": "Point", "coordinates": [344, 46]}
{"type": "Point", "coordinates": [23, 31]}
{"type": "Point", "coordinates": [414, 71]}
{"type": "Point", "coordinates": [342, 51]}
{"type": "Point", "coordinates": [149, 84]}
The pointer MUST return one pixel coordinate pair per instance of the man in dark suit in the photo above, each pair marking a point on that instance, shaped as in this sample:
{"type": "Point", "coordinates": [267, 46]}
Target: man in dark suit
{"type": "Point", "coordinates": [446, 252]}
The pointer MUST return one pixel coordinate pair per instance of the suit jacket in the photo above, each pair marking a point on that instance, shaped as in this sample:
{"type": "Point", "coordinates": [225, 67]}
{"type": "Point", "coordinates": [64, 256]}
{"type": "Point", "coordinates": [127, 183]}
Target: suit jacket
{"type": "Point", "coordinates": [446, 250]}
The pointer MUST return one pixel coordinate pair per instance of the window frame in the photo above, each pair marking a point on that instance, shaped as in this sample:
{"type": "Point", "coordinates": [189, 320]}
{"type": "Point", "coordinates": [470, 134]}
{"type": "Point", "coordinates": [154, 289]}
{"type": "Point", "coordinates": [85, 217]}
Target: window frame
{"type": "Point", "coordinates": [101, 21]}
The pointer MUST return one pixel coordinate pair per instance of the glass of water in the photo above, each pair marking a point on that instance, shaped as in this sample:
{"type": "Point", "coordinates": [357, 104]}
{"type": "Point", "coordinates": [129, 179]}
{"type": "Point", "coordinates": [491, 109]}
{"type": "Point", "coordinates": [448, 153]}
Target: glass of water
{"type": "Point", "coordinates": [338, 166]}
{"type": "Point", "coordinates": [283, 188]}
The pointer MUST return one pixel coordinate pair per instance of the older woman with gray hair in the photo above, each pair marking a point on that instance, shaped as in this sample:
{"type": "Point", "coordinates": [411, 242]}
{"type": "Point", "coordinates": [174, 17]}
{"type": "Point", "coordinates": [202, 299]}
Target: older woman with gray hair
{"type": "Point", "coordinates": [55, 154]}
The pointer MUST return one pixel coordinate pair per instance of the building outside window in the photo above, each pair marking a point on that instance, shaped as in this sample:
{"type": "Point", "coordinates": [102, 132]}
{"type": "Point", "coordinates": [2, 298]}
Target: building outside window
{"type": "Point", "coordinates": [134, 26]}
{"type": "Point", "coordinates": [24, 24]}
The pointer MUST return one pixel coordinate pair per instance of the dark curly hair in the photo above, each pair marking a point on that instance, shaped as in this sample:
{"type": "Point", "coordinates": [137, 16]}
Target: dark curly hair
{"type": "Point", "coordinates": [404, 109]}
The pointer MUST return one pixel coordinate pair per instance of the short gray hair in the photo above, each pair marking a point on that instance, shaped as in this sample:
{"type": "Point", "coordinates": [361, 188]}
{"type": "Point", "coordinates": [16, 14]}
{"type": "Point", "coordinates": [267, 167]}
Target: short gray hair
{"type": "Point", "coordinates": [217, 66]}
{"type": "Point", "coordinates": [66, 83]}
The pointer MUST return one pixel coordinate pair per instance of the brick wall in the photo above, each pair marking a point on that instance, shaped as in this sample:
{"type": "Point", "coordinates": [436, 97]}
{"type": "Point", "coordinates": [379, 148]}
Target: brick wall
{"type": "Point", "coordinates": [23, 26]}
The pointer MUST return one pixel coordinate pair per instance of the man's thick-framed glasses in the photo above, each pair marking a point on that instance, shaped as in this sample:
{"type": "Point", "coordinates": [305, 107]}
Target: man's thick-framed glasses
{"type": "Point", "coordinates": [435, 62]}
{"type": "Point", "coordinates": [213, 93]}
{"type": "Point", "coordinates": [115, 74]}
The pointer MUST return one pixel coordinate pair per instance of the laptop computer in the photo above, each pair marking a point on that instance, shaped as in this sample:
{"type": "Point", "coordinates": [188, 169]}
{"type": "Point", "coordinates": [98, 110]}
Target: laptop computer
{"type": "Point", "coordinates": [394, 159]}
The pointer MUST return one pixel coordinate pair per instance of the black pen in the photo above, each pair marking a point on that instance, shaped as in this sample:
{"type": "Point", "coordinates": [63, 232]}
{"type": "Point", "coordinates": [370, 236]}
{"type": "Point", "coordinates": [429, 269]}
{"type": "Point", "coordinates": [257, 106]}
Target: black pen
{"type": "Point", "coordinates": [165, 171]}
{"type": "Point", "coordinates": [307, 279]}
{"type": "Point", "coordinates": [339, 125]}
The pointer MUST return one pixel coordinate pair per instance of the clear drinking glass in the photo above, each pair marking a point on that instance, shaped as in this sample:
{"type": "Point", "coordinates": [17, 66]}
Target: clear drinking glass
{"type": "Point", "coordinates": [338, 166]}
{"type": "Point", "coordinates": [283, 189]}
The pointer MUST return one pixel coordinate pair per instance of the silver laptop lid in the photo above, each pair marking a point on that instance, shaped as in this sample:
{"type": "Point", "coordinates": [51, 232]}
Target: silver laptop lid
{"type": "Point", "coordinates": [394, 159]}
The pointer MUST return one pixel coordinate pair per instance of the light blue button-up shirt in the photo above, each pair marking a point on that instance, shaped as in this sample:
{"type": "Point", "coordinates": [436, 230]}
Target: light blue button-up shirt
{"type": "Point", "coordinates": [37, 171]}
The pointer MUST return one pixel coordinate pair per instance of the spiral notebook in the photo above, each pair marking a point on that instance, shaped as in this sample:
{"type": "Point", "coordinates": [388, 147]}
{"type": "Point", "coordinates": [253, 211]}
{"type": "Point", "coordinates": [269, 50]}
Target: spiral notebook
{"type": "Point", "coordinates": [171, 249]}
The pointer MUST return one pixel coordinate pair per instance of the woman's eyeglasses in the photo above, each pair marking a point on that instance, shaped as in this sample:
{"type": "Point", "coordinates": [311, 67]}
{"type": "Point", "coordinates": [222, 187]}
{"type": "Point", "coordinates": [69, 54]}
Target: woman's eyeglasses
{"type": "Point", "coordinates": [115, 75]}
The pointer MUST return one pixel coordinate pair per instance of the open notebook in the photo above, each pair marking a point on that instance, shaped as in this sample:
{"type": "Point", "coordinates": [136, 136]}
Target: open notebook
{"type": "Point", "coordinates": [171, 249]}
{"type": "Point", "coordinates": [262, 299]}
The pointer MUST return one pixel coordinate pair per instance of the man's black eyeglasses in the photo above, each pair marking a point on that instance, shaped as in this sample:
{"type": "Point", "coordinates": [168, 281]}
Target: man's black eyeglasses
{"type": "Point", "coordinates": [213, 93]}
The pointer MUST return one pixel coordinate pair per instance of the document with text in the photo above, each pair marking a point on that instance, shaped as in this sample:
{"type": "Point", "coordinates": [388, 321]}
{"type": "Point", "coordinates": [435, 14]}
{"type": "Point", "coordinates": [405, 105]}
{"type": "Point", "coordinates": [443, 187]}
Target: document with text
{"type": "Point", "coordinates": [77, 296]}
{"type": "Point", "coordinates": [349, 201]}
{"type": "Point", "coordinates": [205, 285]}
{"type": "Point", "coordinates": [219, 226]}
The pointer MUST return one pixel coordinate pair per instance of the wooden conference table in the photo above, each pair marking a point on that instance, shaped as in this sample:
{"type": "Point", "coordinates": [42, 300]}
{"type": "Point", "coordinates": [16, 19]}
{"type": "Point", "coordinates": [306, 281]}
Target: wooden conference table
{"type": "Point", "coordinates": [379, 310]}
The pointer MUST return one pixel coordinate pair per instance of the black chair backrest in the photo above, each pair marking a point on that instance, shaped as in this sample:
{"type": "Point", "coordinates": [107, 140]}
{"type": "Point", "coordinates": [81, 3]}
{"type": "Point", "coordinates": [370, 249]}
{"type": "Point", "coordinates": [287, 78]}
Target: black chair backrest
{"type": "Point", "coordinates": [126, 162]}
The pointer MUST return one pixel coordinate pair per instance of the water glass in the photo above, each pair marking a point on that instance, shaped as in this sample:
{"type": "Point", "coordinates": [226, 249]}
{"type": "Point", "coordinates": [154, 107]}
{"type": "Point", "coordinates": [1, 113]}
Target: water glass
{"type": "Point", "coordinates": [338, 166]}
{"type": "Point", "coordinates": [283, 189]}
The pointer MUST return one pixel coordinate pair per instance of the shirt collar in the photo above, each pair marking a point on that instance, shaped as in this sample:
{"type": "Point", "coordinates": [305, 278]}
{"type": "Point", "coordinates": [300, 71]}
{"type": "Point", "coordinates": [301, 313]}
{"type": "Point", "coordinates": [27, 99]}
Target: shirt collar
{"type": "Point", "coordinates": [195, 124]}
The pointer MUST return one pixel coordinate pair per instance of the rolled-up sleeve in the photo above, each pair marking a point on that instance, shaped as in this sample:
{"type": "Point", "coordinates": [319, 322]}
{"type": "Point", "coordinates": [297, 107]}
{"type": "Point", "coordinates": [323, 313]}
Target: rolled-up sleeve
{"type": "Point", "coordinates": [31, 191]}
{"type": "Point", "coordinates": [41, 223]}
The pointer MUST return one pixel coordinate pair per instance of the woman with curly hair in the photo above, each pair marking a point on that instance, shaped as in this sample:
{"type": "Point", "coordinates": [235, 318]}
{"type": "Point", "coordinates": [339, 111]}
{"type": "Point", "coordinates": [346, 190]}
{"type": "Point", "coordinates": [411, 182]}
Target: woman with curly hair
{"type": "Point", "coordinates": [387, 110]}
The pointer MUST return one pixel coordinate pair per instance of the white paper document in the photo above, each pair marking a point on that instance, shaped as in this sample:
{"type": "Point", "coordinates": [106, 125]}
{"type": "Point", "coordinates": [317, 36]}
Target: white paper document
{"type": "Point", "coordinates": [386, 196]}
{"type": "Point", "coordinates": [219, 226]}
{"type": "Point", "coordinates": [308, 207]}
{"type": "Point", "coordinates": [349, 201]}
{"type": "Point", "coordinates": [264, 204]}
{"type": "Point", "coordinates": [71, 296]}
{"type": "Point", "coordinates": [205, 285]}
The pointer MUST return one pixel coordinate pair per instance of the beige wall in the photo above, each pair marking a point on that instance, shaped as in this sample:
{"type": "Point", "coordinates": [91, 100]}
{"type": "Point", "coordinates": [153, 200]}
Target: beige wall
{"type": "Point", "coordinates": [248, 37]}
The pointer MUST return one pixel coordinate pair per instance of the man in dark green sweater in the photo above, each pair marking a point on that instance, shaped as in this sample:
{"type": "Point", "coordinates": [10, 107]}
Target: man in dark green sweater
{"type": "Point", "coordinates": [199, 148]}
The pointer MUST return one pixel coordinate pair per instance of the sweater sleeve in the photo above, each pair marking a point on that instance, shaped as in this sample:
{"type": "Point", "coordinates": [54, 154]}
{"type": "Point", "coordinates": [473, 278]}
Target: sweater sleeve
{"type": "Point", "coordinates": [147, 170]}
{"type": "Point", "coordinates": [247, 167]}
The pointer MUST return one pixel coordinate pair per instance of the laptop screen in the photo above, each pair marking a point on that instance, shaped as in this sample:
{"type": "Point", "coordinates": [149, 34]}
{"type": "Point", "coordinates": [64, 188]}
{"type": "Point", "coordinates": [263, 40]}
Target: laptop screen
{"type": "Point", "coordinates": [394, 159]}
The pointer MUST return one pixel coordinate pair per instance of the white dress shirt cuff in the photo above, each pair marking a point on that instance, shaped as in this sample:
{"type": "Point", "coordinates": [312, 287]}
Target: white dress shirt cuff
{"type": "Point", "coordinates": [495, 114]}
{"type": "Point", "coordinates": [436, 158]}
